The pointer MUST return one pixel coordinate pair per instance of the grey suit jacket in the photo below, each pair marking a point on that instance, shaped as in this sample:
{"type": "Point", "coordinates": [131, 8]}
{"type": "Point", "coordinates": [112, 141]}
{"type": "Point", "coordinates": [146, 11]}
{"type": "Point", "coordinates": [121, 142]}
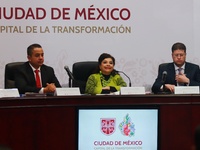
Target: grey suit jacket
{"type": "Point", "coordinates": [25, 79]}
{"type": "Point", "coordinates": [191, 70]}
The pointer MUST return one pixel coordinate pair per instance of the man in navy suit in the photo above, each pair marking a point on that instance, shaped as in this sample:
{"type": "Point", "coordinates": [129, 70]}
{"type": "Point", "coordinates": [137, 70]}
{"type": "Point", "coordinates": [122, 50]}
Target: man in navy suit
{"type": "Point", "coordinates": [25, 78]}
{"type": "Point", "coordinates": [178, 73]}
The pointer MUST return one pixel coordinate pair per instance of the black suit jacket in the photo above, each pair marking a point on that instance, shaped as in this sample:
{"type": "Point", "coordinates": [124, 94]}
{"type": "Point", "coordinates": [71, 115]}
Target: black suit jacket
{"type": "Point", "coordinates": [25, 79]}
{"type": "Point", "coordinates": [191, 70]}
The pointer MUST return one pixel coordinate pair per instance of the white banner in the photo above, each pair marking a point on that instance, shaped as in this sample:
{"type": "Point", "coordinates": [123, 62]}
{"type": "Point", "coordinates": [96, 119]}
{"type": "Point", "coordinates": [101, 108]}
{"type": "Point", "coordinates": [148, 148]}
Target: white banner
{"type": "Point", "coordinates": [139, 34]}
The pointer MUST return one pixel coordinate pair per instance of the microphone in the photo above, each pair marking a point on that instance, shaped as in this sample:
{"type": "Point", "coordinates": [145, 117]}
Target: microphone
{"type": "Point", "coordinates": [164, 91]}
{"type": "Point", "coordinates": [164, 76]}
{"type": "Point", "coordinates": [126, 76]}
{"type": "Point", "coordinates": [74, 82]}
{"type": "Point", "coordinates": [69, 72]}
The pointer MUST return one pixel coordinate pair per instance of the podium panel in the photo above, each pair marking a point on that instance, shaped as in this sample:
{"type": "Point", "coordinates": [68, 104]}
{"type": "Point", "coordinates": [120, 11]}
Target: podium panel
{"type": "Point", "coordinates": [49, 123]}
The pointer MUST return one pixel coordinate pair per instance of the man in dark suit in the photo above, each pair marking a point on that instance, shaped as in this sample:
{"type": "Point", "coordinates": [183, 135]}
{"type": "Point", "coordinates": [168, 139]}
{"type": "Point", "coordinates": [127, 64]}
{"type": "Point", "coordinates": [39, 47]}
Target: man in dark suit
{"type": "Point", "coordinates": [179, 72]}
{"type": "Point", "coordinates": [26, 78]}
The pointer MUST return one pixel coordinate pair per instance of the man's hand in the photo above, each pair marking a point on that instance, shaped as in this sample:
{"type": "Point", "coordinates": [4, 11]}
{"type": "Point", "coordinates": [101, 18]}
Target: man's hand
{"type": "Point", "coordinates": [50, 88]}
{"type": "Point", "coordinates": [182, 79]}
{"type": "Point", "coordinates": [170, 87]}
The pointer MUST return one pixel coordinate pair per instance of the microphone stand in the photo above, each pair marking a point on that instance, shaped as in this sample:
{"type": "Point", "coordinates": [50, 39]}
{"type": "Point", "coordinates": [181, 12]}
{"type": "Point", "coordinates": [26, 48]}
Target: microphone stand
{"type": "Point", "coordinates": [70, 82]}
{"type": "Point", "coordinates": [164, 89]}
{"type": "Point", "coordinates": [126, 76]}
{"type": "Point", "coordinates": [70, 74]}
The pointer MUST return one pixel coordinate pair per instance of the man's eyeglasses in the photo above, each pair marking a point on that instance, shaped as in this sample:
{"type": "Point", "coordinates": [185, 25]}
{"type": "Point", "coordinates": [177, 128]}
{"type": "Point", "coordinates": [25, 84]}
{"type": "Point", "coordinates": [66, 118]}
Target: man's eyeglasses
{"type": "Point", "coordinates": [178, 55]}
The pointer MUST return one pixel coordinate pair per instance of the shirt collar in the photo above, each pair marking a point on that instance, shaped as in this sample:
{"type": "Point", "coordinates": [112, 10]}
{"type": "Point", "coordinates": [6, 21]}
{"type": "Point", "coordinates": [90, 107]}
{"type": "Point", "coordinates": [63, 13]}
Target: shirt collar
{"type": "Point", "coordinates": [176, 67]}
{"type": "Point", "coordinates": [34, 68]}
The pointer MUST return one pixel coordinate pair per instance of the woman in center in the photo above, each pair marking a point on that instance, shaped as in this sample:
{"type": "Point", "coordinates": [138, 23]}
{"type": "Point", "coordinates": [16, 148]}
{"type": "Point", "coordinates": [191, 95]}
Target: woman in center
{"type": "Point", "coordinates": [105, 79]}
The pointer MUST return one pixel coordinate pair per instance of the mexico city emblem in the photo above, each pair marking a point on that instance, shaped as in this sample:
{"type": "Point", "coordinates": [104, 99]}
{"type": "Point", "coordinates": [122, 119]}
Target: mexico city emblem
{"type": "Point", "coordinates": [126, 127]}
{"type": "Point", "coordinates": [107, 126]}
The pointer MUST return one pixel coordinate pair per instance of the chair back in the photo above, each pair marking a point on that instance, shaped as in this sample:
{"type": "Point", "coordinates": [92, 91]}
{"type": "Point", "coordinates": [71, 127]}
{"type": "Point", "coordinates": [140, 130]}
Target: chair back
{"type": "Point", "coordinates": [9, 78]}
{"type": "Point", "coordinates": [163, 65]}
{"type": "Point", "coordinates": [81, 71]}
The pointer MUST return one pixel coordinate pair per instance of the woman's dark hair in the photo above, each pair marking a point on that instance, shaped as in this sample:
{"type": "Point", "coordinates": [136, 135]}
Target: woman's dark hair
{"type": "Point", "coordinates": [104, 56]}
{"type": "Point", "coordinates": [101, 58]}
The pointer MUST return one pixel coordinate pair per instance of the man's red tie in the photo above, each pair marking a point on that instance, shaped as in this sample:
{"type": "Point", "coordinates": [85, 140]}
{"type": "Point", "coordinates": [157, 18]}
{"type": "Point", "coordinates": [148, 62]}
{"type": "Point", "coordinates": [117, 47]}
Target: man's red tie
{"type": "Point", "coordinates": [38, 83]}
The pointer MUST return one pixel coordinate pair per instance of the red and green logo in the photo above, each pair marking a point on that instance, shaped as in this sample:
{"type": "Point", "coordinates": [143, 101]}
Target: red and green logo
{"type": "Point", "coordinates": [126, 127]}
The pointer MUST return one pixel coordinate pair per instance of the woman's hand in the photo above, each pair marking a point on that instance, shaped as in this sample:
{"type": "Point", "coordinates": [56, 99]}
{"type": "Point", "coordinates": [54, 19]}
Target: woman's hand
{"type": "Point", "coordinates": [106, 88]}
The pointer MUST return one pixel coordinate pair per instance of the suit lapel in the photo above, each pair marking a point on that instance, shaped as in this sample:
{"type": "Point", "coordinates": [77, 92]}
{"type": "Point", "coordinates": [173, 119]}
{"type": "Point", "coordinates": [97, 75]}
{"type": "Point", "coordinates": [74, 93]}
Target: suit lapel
{"type": "Point", "coordinates": [172, 73]}
{"type": "Point", "coordinates": [44, 79]}
{"type": "Point", "coordinates": [30, 74]}
{"type": "Point", "coordinates": [187, 69]}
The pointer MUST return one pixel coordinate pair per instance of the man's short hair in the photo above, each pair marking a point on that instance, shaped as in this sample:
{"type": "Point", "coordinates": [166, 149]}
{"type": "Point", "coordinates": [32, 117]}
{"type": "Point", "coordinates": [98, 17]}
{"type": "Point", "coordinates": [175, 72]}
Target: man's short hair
{"type": "Point", "coordinates": [31, 47]}
{"type": "Point", "coordinates": [179, 46]}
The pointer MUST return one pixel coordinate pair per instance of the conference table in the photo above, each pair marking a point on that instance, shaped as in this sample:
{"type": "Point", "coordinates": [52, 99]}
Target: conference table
{"type": "Point", "coordinates": [50, 122]}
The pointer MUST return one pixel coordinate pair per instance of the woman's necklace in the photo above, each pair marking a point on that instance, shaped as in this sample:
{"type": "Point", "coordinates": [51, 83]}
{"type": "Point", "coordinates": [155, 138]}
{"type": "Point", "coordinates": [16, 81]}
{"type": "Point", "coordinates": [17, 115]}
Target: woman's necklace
{"type": "Point", "coordinates": [104, 81]}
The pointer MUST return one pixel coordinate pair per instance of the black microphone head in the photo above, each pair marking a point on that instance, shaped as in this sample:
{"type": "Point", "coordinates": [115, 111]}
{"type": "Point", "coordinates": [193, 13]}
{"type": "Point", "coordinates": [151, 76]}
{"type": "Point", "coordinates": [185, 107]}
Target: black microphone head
{"type": "Point", "coordinates": [70, 74]}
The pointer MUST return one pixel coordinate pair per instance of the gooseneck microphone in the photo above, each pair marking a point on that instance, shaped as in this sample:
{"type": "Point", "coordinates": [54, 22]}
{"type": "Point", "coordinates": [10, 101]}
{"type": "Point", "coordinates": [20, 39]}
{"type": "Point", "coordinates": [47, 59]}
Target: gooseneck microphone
{"type": "Point", "coordinates": [164, 76]}
{"type": "Point", "coordinates": [126, 76]}
{"type": "Point", "coordinates": [74, 82]}
{"type": "Point", "coordinates": [69, 72]}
